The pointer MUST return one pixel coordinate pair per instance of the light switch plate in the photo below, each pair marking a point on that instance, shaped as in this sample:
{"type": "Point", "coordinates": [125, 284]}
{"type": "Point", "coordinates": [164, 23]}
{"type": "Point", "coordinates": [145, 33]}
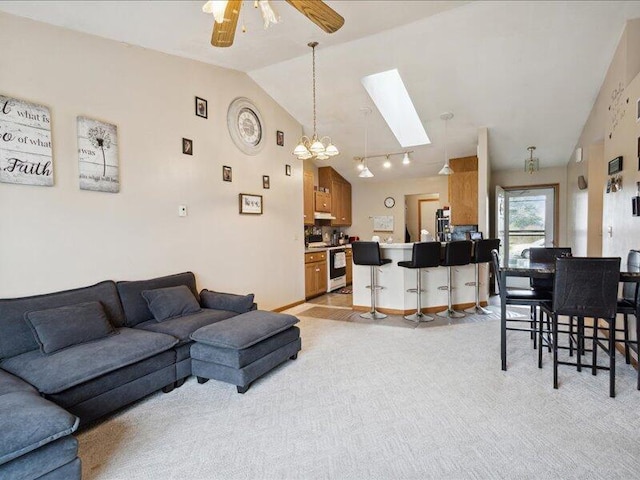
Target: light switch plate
{"type": "Point", "coordinates": [182, 211]}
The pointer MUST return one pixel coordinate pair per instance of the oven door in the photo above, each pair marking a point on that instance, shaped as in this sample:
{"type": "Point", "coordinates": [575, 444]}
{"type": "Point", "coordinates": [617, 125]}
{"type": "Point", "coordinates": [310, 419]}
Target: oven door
{"type": "Point", "coordinates": [337, 263]}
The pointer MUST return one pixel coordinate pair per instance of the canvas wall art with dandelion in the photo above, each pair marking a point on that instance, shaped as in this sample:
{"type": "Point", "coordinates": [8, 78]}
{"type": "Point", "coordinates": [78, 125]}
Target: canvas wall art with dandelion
{"type": "Point", "coordinates": [98, 155]}
{"type": "Point", "coordinates": [25, 143]}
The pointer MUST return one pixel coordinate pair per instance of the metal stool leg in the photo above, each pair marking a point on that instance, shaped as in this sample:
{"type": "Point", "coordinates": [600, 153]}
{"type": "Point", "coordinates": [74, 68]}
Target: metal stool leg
{"type": "Point", "coordinates": [477, 308]}
{"type": "Point", "coordinates": [418, 316]}
{"type": "Point", "coordinates": [373, 314]}
{"type": "Point", "coordinates": [449, 312]}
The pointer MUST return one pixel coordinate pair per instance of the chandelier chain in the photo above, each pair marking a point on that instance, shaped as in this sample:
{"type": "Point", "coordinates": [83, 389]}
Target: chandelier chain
{"type": "Point", "coordinates": [313, 48]}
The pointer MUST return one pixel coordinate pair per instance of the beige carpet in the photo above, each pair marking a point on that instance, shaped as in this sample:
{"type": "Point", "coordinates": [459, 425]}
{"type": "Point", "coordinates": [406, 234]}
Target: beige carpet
{"type": "Point", "coordinates": [369, 401]}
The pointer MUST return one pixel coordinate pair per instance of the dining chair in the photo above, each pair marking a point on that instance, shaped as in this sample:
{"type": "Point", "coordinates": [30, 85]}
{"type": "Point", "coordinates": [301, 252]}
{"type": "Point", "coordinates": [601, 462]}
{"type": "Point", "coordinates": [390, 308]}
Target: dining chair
{"type": "Point", "coordinates": [627, 305]}
{"type": "Point", "coordinates": [585, 287]}
{"type": "Point", "coordinates": [520, 297]}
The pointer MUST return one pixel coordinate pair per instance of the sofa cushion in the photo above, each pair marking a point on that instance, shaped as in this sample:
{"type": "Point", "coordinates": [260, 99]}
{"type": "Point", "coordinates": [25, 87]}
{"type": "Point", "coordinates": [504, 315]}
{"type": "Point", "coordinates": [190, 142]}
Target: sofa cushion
{"type": "Point", "coordinates": [77, 364]}
{"type": "Point", "coordinates": [43, 461]}
{"type": "Point", "coordinates": [10, 383]}
{"type": "Point", "coordinates": [226, 301]}
{"type": "Point", "coordinates": [30, 421]}
{"type": "Point", "coordinates": [244, 330]}
{"type": "Point", "coordinates": [170, 302]}
{"type": "Point", "coordinates": [18, 338]}
{"type": "Point", "coordinates": [58, 328]}
{"type": "Point", "coordinates": [135, 306]}
{"type": "Point", "coordinates": [183, 327]}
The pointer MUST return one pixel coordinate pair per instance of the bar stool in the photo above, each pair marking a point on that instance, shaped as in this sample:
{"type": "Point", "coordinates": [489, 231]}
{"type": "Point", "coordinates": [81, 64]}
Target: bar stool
{"type": "Point", "coordinates": [481, 254]}
{"type": "Point", "coordinates": [455, 253]}
{"type": "Point", "coordinates": [368, 253]}
{"type": "Point", "coordinates": [424, 255]}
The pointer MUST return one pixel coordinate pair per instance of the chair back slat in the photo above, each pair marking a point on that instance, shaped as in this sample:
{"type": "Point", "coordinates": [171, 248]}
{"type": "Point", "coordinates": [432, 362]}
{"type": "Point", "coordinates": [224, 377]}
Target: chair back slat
{"type": "Point", "coordinates": [630, 289]}
{"type": "Point", "coordinates": [546, 255]}
{"type": "Point", "coordinates": [586, 287]}
{"type": "Point", "coordinates": [495, 260]}
{"type": "Point", "coordinates": [366, 253]}
{"type": "Point", "coordinates": [426, 254]}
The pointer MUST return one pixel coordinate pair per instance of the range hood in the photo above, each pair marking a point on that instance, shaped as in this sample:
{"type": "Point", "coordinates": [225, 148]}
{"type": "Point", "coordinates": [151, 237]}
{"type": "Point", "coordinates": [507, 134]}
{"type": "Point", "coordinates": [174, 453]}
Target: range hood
{"type": "Point", "coordinates": [323, 216]}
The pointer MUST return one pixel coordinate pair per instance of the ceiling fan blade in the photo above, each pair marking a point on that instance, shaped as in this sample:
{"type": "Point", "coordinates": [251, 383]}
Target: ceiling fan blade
{"type": "Point", "coordinates": [224, 32]}
{"type": "Point", "coordinates": [319, 13]}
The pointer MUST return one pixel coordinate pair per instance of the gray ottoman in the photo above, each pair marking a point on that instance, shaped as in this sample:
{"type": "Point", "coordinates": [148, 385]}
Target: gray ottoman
{"type": "Point", "coordinates": [242, 348]}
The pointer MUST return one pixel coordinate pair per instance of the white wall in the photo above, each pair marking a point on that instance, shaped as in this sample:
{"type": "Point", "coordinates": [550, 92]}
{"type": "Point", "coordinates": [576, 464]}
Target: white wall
{"type": "Point", "coordinates": [60, 237]}
{"type": "Point", "coordinates": [368, 201]}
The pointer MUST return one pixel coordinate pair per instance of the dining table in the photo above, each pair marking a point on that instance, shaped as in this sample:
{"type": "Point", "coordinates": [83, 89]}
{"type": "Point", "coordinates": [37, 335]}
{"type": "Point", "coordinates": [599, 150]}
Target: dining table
{"type": "Point", "coordinates": [525, 268]}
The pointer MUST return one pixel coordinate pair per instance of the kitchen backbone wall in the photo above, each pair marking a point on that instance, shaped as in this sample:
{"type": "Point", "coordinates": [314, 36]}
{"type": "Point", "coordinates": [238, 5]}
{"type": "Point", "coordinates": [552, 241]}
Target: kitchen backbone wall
{"type": "Point", "coordinates": [60, 237]}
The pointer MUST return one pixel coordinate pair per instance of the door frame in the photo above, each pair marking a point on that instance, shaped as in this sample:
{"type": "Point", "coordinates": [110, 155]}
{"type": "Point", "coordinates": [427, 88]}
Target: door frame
{"type": "Point", "coordinates": [420, 213]}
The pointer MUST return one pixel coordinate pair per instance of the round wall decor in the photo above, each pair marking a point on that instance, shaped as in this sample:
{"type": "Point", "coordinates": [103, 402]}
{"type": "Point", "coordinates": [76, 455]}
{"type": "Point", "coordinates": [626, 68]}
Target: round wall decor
{"type": "Point", "coordinates": [246, 126]}
{"type": "Point", "coordinates": [389, 202]}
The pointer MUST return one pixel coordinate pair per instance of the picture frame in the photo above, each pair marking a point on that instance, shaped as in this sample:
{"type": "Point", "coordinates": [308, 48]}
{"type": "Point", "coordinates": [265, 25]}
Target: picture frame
{"type": "Point", "coordinates": [227, 174]}
{"type": "Point", "coordinates": [638, 153]}
{"type": "Point", "coordinates": [638, 110]}
{"type": "Point", "coordinates": [615, 165]}
{"type": "Point", "coordinates": [287, 168]}
{"type": "Point", "coordinates": [280, 138]}
{"type": "Point", "coordinates": [266, 183]}
{"type": "Point", "coordinates": [202, 109]}
{"type": "Point", "coordinates": [187, 146]}
{"type": "Point", "coordinates": [250, 204]}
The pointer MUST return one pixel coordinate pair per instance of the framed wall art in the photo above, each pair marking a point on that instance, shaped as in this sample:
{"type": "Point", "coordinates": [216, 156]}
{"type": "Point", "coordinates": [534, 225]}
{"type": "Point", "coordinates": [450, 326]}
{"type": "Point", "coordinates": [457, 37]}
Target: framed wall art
{"type": "Point", "coordinates": [187, 146]}
{"type": "Point", "coordinates": [266, 183]}
{"type": "Point", "coordinates": [98, 156]}
{"type": "Point", "coordinates": [615, 165]}
{"type": "Point", "coordinates": [201, 107]}
{"type": "Point", "coordinates": [287, 169]}
{"type": "Point", "coordinates": [226, 173]}
{"type": "Point", "coordinates": [280, 138]}
{"type": "Point", "coordinates": [250, 204]}
{"type": "Point", "coordinates": [25, 143]}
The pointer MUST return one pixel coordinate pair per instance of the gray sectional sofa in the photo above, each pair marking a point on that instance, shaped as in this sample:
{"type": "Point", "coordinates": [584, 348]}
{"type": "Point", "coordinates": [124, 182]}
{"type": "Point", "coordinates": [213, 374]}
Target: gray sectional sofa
{"type": "Point", "coordinates": [70, 357]}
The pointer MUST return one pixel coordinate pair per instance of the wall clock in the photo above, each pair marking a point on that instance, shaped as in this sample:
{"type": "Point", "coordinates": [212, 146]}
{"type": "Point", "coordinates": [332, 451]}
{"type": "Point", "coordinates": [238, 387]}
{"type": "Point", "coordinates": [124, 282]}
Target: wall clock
{"type": "Point", "coordinates": [389, 202]}
{"type": "Point", "coordinates": [246, 126]}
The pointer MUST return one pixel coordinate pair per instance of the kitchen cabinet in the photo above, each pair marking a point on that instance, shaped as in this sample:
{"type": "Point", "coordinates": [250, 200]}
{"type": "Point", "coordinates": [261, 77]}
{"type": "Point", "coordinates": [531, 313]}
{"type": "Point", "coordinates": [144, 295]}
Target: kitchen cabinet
{"type": "Point", "coordinates": [323, 202]}
{"type": "Point", "coordinates": [463, 191]}
{"type": "Point", "coordinates": [340, 191]}
{"type": "Point", "coordinates": [315, 274]}
{"type": "Point", "coordinates": [308, 198]}
{"type": "Point", "coordinates": [349, 254]}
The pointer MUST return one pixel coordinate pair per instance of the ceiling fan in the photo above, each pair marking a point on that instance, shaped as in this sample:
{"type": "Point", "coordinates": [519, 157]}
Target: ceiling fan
{"type": "Point", "coordinates": [226, 15]}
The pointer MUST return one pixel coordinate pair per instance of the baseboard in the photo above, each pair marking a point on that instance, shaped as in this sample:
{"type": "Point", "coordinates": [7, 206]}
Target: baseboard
{"type": "Point", "coordinates": [287, 307]}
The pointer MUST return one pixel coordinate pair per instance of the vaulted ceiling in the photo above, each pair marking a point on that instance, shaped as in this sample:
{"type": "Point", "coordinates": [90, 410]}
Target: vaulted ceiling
{"type": "Point", "coordinates": [529, 71]}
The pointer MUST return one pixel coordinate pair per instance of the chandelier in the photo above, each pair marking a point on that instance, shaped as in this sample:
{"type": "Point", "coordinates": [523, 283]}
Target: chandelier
{"type": "Point", "coordinates": [531, 164]}
{"type": "Point", "coordinates": [315, 147]}
{"type": "Point", "coordinates": [446, 169]}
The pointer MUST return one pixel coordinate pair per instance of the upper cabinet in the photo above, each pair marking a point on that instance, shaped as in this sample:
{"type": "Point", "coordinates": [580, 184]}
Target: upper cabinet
{"type": "Point", "coordinates": [308, 198]}
{"type": "Point", "coordinates": [340, 191]}
{"type": "Point", "coordinates": [463, 191]}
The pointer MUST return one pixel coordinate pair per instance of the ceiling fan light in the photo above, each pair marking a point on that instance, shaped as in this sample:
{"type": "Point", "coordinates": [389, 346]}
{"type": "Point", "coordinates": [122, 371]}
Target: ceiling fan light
{"type": "Point", "coordinates": [446, 170]}
{"type": "Point", "coordinates": [365, 173]}
{"type": "Point", "coordinates": [317, 147]}
{"type": "Point", "coordinates": [269, 15]}
{"type": "Point", "coordinates": [217, 8]}
{"type": "Point", "coordinates": [405, 159]}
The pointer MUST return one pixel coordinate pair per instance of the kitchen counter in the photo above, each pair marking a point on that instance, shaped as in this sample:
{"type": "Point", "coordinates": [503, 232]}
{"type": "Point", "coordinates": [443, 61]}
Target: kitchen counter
{"type": "Point", "coordinates": [394, 298]}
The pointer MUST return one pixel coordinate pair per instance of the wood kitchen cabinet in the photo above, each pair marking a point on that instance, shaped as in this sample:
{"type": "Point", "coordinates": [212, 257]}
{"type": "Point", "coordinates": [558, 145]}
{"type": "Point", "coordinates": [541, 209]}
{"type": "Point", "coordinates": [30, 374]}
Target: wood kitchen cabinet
{"type": "Point", "coordinates": [323, 202]}
{"type": "Point", "coordinates": [349, 254]}
{"type": "Point", "coordinates": [308, 198]}
{"type": "Point", "coordinates": [463, 191]}
{"type": "Point", "coordinates": [340, 191]}
{"type": "Point", "coordinates": [315, 274]}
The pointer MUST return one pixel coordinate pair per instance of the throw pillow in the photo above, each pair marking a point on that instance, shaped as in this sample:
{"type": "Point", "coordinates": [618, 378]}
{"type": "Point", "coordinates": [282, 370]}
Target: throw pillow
{"type": "Point", "coordinates": [58, 328]}
{"type": "Point", "coordinates": [226, 301]}
{"type": "Point", "coordinates": [170, 302]}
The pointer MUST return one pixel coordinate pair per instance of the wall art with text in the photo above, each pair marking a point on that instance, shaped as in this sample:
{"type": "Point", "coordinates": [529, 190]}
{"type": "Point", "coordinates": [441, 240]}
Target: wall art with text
{"type": "Point", "coordinates": [25, 143]}
{"type": "Point", "coordinates": [98, 156]}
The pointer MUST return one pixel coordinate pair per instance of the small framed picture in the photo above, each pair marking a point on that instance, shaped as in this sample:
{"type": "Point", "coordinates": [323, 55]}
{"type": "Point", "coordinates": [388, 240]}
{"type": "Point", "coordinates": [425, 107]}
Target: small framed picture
{"type": "Point", "coordinates": [280, 138]}
{"type": "Point", "coordinates": [638, 153]}
{"type": "Point", "coordinates": [638, 110]}
{"type": "Point", "coordinates": [250, 204]}
{"type": "Point", "coordinates": [287, 168]}
{"type": "Point", "coordinates": [615, 165]}
{"type": "Point", "coordinates": [226, 173]}
{"type": "Point", "coordinates": [266, 184]}
{"type": "Point", "coordinates": [201, 107]}
{"type": "Point", "coordinates": [187, 146]}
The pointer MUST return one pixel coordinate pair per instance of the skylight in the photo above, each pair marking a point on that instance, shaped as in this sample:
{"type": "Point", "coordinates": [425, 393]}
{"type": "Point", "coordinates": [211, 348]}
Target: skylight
{"type": "Point", "coordinates": [388, 92]}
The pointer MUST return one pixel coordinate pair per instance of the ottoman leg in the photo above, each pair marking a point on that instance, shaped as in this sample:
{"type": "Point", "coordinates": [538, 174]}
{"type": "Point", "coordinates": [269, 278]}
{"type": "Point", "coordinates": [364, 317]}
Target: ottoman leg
{"type": "Point", "coordinates": [202, 380]}
{"type": "Point", "coordinates": [243, 389]}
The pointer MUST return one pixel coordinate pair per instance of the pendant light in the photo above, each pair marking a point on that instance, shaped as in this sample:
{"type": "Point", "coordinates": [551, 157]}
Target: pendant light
{"type": "Point", "coordinates": [315, 147]}
{"type": "Point", "coordinates": [531, 164]}
{"type": "Point", "coordinates": [365, 172]}
{"type": "Point", "coordinates": [446, 169]}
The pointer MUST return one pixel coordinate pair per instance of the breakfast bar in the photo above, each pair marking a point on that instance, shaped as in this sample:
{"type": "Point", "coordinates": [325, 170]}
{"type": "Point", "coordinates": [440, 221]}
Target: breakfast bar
{"type": "Point", "coordinates": [393, 298]}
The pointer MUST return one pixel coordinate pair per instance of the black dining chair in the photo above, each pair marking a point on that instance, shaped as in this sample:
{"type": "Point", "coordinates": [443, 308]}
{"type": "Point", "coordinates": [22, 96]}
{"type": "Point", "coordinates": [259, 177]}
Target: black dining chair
{"type": "Point", "coordinates": [585, 287]}
{"type": "Point", "coordinates": [546, 255]}
{"type": "Point", "coordinates": [627, 305]}
{"type": "Point", "coordinates": [519, 297]}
